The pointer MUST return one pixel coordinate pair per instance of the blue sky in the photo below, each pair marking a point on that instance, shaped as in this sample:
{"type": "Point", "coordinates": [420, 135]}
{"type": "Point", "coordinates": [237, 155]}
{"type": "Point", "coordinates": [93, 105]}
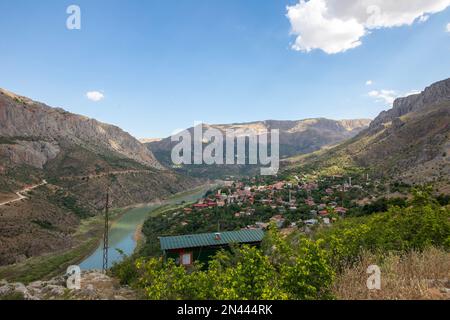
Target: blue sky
{"type": "Point", "coordinates": [163, 65]}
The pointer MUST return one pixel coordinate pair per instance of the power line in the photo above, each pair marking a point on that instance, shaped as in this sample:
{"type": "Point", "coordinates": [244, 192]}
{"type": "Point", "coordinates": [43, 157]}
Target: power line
{"type": "Point", "coordinates": [106, 234]}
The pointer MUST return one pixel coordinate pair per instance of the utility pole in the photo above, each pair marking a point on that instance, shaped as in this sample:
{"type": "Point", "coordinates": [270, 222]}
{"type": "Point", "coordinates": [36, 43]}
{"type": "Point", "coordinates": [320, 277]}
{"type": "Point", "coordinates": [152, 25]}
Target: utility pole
{"type": "Point", "coordinates": [106, 234]}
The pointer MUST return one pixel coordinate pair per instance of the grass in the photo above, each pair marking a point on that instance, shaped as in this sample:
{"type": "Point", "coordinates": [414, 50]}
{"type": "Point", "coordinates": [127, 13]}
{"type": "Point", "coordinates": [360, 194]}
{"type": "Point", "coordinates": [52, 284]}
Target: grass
{"type": "Point", "coordinates": [51, 265]}
{"type": "Point", "coordinates": [46, 267]}
{"type": "Point", "coordinates": [412, 276]}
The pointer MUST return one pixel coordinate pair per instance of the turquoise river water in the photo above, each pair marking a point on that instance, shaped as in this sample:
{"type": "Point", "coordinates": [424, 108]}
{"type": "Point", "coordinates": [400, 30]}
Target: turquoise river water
{"type": "Point", "coordinates": [122, 232]}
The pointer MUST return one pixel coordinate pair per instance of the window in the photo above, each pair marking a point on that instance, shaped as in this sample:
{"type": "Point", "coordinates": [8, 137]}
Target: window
{"type": "Point", "coordinates": [186, 259]}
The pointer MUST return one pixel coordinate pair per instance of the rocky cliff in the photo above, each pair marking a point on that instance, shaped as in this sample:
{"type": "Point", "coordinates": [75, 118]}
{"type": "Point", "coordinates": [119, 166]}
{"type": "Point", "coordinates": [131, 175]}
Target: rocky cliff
{"type": "Point", "coordinates": [432, 95]}
{"type": "Point", "coordinates": [22, 119]}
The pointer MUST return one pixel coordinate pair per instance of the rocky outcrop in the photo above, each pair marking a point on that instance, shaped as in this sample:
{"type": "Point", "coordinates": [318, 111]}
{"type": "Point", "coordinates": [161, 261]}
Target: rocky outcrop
{"type": "Point", "coordinates": [24, 119]}
{"type": "Point", "coordinates": [32, 153]}
{"type": "Point", "coordinates": [432, 95]}
{"type": "Point", "coordinates": [94, 286]}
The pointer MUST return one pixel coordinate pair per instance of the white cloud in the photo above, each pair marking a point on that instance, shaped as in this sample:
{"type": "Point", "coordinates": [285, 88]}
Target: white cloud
{"type": "Point", "coordinates": [412, 92]}
{"type": "Point", "coordinates": [387, 96]}
{"type": "Point", "coordinates": [448, 27]}
{"type": "Point", "coordinates": [95, 96]}
{"type": "Point", "coordinates": [336, 26]}
{"type": "Point", "coordinates": [369, 82]}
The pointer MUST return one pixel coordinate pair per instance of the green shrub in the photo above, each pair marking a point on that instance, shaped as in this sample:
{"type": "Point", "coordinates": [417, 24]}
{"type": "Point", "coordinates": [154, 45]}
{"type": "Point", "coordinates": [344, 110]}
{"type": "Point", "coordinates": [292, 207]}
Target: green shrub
{"type": "Point", "coordinates": [246, 273]}
{"type": "Point", "coordinates": [424, 223]}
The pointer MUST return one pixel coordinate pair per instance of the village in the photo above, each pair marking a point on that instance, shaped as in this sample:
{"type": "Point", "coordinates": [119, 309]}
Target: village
{"type": "Point", "coordinates": [294, 204]}
{"type": "Point", "coordinates": [241, 210]}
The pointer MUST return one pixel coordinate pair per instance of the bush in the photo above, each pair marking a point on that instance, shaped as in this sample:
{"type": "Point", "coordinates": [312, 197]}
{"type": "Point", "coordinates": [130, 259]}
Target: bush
{"type": "Point", "coordinates": [125, 270]}
{"type": "Point", "coordinates": [246, 273]}
{"type": "Point", "coordinates": [416, 227]}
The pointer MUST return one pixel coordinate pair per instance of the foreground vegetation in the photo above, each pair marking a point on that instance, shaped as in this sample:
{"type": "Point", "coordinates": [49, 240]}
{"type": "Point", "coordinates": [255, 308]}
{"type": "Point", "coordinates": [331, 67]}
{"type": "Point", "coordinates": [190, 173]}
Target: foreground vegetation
{"type": "Point", "coordinates": [409, 276]}
{"type": "Point", "coordinates": [308, 267]}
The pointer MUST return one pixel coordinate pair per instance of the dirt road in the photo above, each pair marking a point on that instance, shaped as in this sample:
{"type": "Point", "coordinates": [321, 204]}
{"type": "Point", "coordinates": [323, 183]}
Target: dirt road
{"type": "Point", "coordinates": [20, 194]}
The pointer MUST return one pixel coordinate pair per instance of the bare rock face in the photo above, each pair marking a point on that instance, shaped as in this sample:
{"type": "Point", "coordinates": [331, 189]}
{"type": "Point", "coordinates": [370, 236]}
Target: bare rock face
{"type": "Point", "coordinates": [432, 95]}
{"type": "Point", "coordinates": [32, 153]}
{"type": "Point", "coordinates": [24, 119]}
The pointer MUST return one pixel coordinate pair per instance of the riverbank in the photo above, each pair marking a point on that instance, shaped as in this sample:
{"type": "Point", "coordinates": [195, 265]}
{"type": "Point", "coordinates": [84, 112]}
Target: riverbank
{"type": "Point", "coordinates": [88, 237]}
{"type": "Point", "coordinates": [125, 235]}
{"type": "Point", "coordinates": [139, 236]}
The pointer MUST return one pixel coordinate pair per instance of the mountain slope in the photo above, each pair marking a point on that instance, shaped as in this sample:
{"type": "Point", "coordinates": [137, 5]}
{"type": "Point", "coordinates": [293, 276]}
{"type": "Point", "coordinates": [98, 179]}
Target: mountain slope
{"type": "Point", "coordinates": [296, 137]}
{"type": "Point", "coordinates": [23, 118]}
{"type": "Point", "coordinates": [79, 158]}
{"type": "Point", "coordinates": [409, 142]}
{"type": "Point", "coordinates": [37, 142]}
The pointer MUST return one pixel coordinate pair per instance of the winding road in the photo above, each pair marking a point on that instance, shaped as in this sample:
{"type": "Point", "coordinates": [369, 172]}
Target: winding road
{"type": "Point", "coordinates": [104, 174]}
{"type": "Point", "coordinates": [20, 193]}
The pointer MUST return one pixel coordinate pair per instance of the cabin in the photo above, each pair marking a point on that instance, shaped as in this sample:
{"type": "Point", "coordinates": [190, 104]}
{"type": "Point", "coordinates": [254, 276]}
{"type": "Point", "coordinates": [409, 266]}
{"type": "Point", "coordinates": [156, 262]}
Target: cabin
{"type": "Point", "coordinates": [187, 249]}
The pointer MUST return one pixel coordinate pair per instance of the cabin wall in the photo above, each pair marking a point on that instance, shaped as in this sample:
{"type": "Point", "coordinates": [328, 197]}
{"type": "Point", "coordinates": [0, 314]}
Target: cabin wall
{"type": "Point", "coordinates": [203, 254]}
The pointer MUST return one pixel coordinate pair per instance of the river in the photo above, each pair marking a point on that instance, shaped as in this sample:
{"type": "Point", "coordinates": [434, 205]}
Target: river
{"type": "Point", "coordinates": [122, 231]}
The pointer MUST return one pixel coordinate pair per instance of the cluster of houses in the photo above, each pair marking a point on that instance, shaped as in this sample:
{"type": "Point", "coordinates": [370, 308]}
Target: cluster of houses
{"type": "Point", "coordinates": [282, 196]}
{"type": "Point", "coordinates": [239, 197]}
{"type": "Point", "coordinates": [244, 196]}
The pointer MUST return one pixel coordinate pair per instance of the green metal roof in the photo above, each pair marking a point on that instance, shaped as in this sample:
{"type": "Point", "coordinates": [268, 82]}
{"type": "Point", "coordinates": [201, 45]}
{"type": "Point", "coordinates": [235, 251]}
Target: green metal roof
{"type": "Point", "coordinates": [209, 239]}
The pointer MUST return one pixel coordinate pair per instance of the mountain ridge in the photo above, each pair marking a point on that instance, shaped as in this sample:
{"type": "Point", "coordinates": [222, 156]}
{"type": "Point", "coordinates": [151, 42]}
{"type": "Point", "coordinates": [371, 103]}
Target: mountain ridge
{"type": "Point", "coordinates": [433, 94]}
{"type": "Point", "coordinates": [23, 117]}
{"type": "Point", "coordinates": [409, 142]}
{"type": "Point", "coordinates": [296, 137]}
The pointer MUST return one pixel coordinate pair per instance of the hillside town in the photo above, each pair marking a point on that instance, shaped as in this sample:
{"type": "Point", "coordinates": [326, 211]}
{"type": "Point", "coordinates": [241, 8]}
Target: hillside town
{"type": "Point", "coordinates": [296, 203]}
